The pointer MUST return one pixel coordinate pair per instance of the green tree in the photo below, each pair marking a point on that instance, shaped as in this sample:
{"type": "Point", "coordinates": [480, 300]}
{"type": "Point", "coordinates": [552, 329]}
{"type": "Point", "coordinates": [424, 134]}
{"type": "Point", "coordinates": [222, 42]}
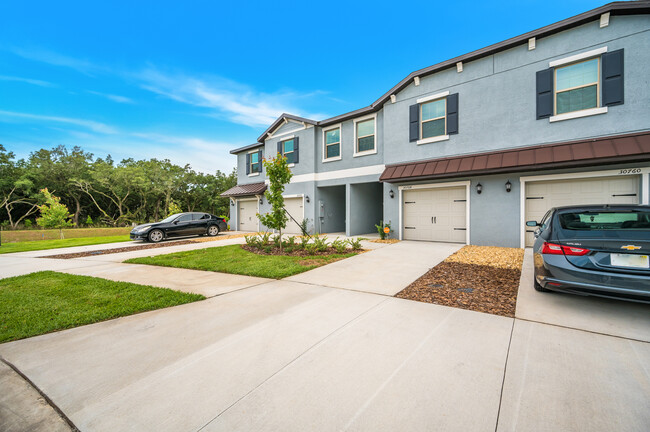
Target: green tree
{"type": "Point", "coordinates": [174, 208]}
{"type": "Point", "coordinates": [53, 213]}
{"type": "Point", "coordinates": [279, 174]}
{"type": "Point", "coordinates": [18, 196]}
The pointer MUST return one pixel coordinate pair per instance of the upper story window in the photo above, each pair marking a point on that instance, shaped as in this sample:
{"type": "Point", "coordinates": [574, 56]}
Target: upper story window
{"type": "Point", "coordinates": [332, 140]}
{"type": "Point", "coordinates": [254, 163]}
{"type": "Point", "coordinates": [289, 149]}
{"type": "Point", "coordinates": [581, 85]}
{"type": "Point", "coordinates": [577, 86]}
{"type": "Point", "coordinates": [365, 136]}
{"type": "Point", "coordinates": [434, 118]}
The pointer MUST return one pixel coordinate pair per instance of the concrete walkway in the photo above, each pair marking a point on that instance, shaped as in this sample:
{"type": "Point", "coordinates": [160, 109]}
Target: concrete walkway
{"type": "Point", "coordinates": [385, 271]}
{"type": "Point", "coordinates": [322, 354]}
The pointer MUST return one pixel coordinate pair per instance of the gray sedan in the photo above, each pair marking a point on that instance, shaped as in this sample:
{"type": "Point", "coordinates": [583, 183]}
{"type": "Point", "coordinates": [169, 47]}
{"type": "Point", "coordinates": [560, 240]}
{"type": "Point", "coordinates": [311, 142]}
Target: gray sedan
{"type": "Point", "coordinates": [594, 250]}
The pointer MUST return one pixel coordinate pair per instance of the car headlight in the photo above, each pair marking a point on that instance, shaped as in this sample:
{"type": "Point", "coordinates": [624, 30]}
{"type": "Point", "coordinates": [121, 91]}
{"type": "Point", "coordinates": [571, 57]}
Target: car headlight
{"type": "Point", "coordinates": [144, 228]}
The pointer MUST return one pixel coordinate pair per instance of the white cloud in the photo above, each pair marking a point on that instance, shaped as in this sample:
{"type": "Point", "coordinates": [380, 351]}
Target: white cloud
{"type": "Point", "coordinates": [26, 80]}
{"type": "Point", "coordinates": [236, 102]}
{"type": "Point", "coordinates": [114, 98]}
{"type": "Point", "coordinates": [44, 56]}
{"type": "Point", "coordinates": [88, 124]}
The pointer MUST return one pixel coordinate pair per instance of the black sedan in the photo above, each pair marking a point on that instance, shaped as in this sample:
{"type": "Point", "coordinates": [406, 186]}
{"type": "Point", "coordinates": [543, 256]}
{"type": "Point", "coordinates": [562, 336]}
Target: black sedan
{"type": "Point", "coordinates": [180, 225]}
{"type": "Point", "coordinates": [594, 250]}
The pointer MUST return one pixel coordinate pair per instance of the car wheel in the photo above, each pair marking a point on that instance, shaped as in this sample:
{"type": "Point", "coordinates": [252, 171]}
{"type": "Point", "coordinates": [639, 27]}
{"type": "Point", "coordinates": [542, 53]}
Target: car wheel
{"type": "Point", "coordinates": [213, 230]}
{"type": "Point", "coordinates": [155, 236]}
{"type": "Point", "coordinates": [540, 288]}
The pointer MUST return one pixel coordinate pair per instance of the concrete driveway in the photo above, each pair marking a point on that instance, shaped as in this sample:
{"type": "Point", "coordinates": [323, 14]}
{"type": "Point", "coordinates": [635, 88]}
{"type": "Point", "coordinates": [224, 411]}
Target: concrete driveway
{"type": "Point", "coordinates": [323, 351]}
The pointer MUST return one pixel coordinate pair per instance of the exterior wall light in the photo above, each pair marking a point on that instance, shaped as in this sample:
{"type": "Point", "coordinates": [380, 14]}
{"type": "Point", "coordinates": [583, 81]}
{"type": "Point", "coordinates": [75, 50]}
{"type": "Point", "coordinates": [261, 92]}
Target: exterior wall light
{"type": "Point", "coordinates": [508, 186]}
{"type": "Point", "coordinates": [307, 198]}
{"type": "Point", "coordinates": [261, 200]}
{"type": "Point", "coordinates": [479, 188]}
{"type": "Point", "coordinates": [391, 194]}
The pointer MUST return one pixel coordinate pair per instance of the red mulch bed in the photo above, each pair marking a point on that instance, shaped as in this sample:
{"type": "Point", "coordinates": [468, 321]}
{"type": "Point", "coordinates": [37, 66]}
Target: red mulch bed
{"type": "Point", "coordinates": [467, 286]}
{"type": "Point", "coordinates": [119, 250]}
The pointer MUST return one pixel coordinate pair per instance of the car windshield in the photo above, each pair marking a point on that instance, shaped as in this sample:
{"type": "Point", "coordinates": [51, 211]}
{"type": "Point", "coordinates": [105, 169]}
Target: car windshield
{"type": "Point", "coordinates": [605, 220]}
{"type": "Point", "coordinates": [171, 218]}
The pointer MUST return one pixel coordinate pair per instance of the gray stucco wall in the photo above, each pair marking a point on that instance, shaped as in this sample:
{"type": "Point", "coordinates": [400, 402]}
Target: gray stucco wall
{"type": "Point", "coordinates": [497, 95]}
{"type": "Point", "coordinates": [366, 205]}
{"type": "Point", "coordinates": [333, 216]}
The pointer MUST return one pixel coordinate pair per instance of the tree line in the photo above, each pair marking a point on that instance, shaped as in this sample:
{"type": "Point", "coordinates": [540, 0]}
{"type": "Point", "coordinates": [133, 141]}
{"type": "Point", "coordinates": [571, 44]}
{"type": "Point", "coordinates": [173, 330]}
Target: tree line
{"type": "Point", "coordinates": [101, 191]}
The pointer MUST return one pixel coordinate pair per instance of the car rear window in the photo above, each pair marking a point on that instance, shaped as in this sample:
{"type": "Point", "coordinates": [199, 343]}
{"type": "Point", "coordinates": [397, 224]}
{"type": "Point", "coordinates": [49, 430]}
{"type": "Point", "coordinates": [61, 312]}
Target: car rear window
{"type": "Point", "coordinates": [614, 220]}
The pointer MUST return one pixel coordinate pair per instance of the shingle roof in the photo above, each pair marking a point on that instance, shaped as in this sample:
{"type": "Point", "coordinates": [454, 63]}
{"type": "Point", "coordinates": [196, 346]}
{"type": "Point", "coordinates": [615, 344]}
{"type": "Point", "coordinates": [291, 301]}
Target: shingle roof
{"type": "Point", "coordinates": [607, 150]}
{"type": "Point", "coordinates": [245, 189]}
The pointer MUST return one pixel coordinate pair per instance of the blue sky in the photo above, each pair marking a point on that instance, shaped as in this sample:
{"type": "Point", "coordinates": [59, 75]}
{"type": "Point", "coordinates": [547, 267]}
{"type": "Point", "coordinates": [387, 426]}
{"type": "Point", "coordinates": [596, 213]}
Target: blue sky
{"type": "Point", "coordinates": [191, 80]}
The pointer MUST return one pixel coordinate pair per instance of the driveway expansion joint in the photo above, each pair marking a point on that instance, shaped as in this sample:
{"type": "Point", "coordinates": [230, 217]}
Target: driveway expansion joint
{"type": "Point", "coordinates": [583, 330]}
{"type": "Point", "coordinates": [47, 399]}
{"type": "Point", "coordinates": [505, 371]}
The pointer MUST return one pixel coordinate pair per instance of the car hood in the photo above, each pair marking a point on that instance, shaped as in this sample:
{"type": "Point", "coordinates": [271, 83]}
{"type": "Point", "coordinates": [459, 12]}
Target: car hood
{"type": "Point", "coordinates": [152, 225]}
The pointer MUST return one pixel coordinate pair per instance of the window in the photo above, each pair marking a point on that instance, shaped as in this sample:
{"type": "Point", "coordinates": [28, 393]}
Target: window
{"type": "Point", "coordinates": [185, 218]}
{"type": "Point", "coordinates": [621, 220]}
{"type": "Point", "coordinates": [365, 133]}
{"type": "Point", "coordinates": [434, 118]}
{"type": "Point", "coordinates": [577, 86]}
{"type": "Point", "coordinates": [332, 140]}
{"type": "Point", "coordinates": [255, 162]}
{"type": "Point", "coordinates": [288, 150]}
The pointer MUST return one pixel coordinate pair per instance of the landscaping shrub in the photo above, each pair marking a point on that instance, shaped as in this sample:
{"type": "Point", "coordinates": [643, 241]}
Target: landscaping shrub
{"type": "Point", "coordinates": [320, 243]}
{"type": "Point", "coordinates": [380, 229]}
{"type": "Point", "coordinates": [355, 244]}
{"type": "Point", "coordinates": [340, 245]}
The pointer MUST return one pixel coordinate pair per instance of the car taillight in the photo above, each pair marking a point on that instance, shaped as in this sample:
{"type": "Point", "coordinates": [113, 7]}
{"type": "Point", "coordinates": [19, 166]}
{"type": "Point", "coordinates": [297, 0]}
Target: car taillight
{"type": "Point", "coordinates": [556, 249]}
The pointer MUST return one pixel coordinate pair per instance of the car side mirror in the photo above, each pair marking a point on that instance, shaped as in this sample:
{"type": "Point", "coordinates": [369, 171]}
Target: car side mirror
{"type": "Point", "coordinates": [175, 222]}
{"type": "Point", "coordinates": [532, 223]}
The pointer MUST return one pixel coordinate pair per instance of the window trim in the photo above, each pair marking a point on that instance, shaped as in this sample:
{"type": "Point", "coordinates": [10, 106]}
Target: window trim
{"type": "Point", "coordinates": [434, 138]}
{"type": "Point", "coordinates": [356, 138]}
{"type": "Point", "coordinates": [250, 167]}
{"type": "Point", "coordinates": [293, 151]}
{"type": "Point", "coordinates": [597, 82]}
{"type": "Point", "coordinates": [578, 57]}
{"type": "Point", "coordinates": [324, 132]}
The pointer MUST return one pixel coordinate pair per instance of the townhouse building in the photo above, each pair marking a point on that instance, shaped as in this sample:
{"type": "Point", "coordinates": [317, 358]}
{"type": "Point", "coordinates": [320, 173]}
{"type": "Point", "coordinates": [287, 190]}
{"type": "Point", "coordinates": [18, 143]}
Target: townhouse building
{"type": "Point", "coordinates": [469, 149]}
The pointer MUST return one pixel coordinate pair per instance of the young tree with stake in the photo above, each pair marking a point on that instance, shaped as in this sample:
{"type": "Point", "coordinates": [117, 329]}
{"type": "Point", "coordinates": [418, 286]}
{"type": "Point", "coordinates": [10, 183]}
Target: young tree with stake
{"type": "Point", "coordinates": [53, 213]}
{"type": "Point", "coordinates": [279, 174]}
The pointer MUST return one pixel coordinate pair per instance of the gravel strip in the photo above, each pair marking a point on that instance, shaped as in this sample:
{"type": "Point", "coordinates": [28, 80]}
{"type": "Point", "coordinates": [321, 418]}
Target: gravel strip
{"type": "Point", "coordinates": [478, 278]}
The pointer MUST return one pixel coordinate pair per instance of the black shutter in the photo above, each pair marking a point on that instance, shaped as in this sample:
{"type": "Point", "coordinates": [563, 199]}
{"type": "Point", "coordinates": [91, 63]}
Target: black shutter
{"type": "Point", "coordinates": [259, 159]}
{"type": "Point", "coordinates": [414, 122]}
{"type": "Point", "coordinates": [452, 114]}
{"type": "Point", "coordinates": [280, 148]}
{"type": "Point", "coordinates": [295, 150]}
{"type": "Point", "coordinates": [613, 78]}
{"type": "Point", "coordinates": [544, 93]}
{"type": "Point", "coordinates": [248, 163]}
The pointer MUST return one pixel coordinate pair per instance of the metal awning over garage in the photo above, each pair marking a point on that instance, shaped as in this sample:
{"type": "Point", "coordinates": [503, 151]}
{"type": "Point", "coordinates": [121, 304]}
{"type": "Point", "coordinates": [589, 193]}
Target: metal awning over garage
{"type": "Point", "coordinates": [245, 190]}
{"type": "Point", "coordinates": [607, 150]}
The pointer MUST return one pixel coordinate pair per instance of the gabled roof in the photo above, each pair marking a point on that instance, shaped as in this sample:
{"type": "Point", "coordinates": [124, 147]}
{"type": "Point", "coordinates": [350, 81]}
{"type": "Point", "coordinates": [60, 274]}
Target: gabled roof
{"type": "Point", "coordinates": [246, 189]}
{"type": "Point", "coordinates": [247, 147]}
{"type": "Point", "coordinates": [606, 150]}
{"type": "Point", "coordinates": [281, 119]}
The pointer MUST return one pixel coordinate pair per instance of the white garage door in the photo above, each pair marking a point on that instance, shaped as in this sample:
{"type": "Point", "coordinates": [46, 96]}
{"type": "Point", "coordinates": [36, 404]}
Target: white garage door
{"type": "Point", "coordinates": [248, 215]}
{"type": "Point", "coordinates": [294, 207]}
{"type": "Point", "coordinates": [437, 214]}
{"type": "Point", "coordinates": [542, 195]}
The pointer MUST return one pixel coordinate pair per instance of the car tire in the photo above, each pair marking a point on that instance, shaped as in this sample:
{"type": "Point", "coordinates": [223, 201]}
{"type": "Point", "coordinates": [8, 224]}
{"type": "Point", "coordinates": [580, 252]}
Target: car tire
{"type": "Point", "coordinates": [155, 236]}
{"type": "Point", "coordinates": [213, 230]}
{"type": "Point", "coordinates": [540, 288]}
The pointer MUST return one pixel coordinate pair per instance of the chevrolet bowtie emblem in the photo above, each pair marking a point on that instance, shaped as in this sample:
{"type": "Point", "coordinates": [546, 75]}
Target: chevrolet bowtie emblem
{"type": "Point", "coordinates": [630, 247]}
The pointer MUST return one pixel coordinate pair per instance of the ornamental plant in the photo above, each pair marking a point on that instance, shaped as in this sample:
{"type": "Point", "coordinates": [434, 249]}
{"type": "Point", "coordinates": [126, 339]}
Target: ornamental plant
{"type": "Point", "coordinates": [53, 213]}
{"type": "Point", "coordinates": [279, 174]}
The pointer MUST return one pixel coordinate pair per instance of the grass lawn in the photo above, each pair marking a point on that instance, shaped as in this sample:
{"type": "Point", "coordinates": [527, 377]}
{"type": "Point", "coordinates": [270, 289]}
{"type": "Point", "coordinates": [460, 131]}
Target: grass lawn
{"type": "Point", "coordinates": [233, 259]}
{"type": "Point", "coordinates": [46, 301]}
{"type": "Point", "coordinates": [27, 246]}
